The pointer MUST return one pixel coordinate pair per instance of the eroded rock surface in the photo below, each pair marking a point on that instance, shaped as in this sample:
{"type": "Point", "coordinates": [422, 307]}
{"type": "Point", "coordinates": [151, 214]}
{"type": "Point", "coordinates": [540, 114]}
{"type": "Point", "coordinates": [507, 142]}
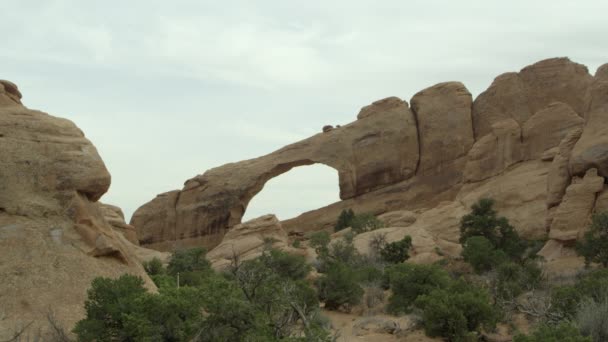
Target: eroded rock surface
{"type": "Point", "coordinates": [53, 234]}
{"type": "Point", "coordinates": [247, 241]}
{"type": "Point", "coordinates": [520, 142]}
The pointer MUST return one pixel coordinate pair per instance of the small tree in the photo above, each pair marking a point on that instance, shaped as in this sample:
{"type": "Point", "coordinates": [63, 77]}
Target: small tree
{"type": "Point", "coordinates": [154, 267]}
{"type": "Point", "coordinates": [409, 281]}
{"type": "Point", "coordinates": [481, 254]}
{"type": "Point", "coordinates": [456, 312]}
{"type": "Point", "coordinates": [338, 287]}
{"type": "Point", "coordinates": [345, 219]}
{"type": "Point", "coordinates": [365, 222]}
{"type": "Point", "coordinates": [398, 251]}
{"type": "Point", "coordinates": [594, 245]}
{"type": "Point", "coordinates": [484, 221]}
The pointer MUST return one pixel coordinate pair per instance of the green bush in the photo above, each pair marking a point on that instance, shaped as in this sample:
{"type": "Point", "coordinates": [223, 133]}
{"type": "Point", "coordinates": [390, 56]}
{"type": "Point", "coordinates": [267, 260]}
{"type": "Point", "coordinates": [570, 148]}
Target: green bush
{"type": "Point", "coordinates": [121, 310]}
{"type": "Point", "coordinates": [456, 312]}
{"type": "Point", "coordinates": [481, 254]}
{"type": "Point", "coordinates": [396, 252]}
{"type": "Point", "coordinates": [592, 319]}
{"type": "Point", "coordinates": [513, 279]}
{"type": "Point", "coordinates": [320, 242]}
{"type": "Point", "coordinates": [285, 265]}
{"type": "Point", "coordinates": [344, 220]}
{"type": "Point", "coordinates": [564, 332]}
{"type": "Point", "coordinates": [564, 302]}
{"type": "Point", "coordinates": [409, 281]}
{"type": "Point", "coordinates": [483, 221]}
{"type": "Point", "coordinates": [188, 260]}
{"type": "Point", "coordinates": [154, 266]}
{"type": "Point", "coordinates": [594, 245]}
{"type": "Point", "coordinates": [365, 222]}
{"type": "Point", "coordinates": [339, 288]}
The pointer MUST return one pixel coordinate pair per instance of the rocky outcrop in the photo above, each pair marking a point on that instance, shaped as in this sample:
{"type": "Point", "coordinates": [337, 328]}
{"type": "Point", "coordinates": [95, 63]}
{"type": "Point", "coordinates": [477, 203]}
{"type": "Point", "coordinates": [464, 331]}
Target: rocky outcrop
{"type": "Point", "coordinates": [9, 94]}
{"type": "Point", "coordinates": [591, 150]}
{"type": "Point", "coordinates": [547, 127]}
{"type": "Point", "coordinates": [517, 142]}
{"type": "Point", "coordinates": [572, 216]}
{"type": "Point", "coordinates": [116, 218]}
{"type": "Point", "coordinates": [519, 95]}
{"type": "Point", "coordinates": [53, 234]}
{"type": "Point", "coordinates": [442, 108]}
{"type": "Point", "coordinates": [494, 152]}
{"type": "Point", "coordinates": [559, 174]}
{"type": "Point", "coordinates": [247, 241]}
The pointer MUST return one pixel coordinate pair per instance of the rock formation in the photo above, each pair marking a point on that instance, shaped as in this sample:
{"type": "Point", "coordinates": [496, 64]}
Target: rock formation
{"type": "Point", "coordinates": [521, 142]}
{"type": "Point", "coordinates": [53, 235]}
{"type": "Point", "coordinates": [248, 240]}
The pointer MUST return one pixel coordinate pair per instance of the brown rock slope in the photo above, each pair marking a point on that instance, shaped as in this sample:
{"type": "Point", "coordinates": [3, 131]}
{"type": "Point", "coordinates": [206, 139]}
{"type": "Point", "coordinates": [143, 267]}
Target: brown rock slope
{"type": "Point", "coordinates": [53, 235]}
{"type": "Point", "coordinates": [517, 142]}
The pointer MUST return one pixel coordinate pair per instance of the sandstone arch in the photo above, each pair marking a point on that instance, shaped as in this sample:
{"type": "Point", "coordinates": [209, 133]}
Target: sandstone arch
{"type": "Point", "coordinates": [211, 202]}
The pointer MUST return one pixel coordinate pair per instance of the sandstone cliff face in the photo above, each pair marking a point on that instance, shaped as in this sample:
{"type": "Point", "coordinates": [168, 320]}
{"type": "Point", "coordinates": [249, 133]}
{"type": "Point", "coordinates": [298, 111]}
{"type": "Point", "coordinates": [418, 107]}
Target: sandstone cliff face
{"type": "Point", "coordinates": [520, 142]}
{"type": "Point", "coordinates": [53, 235]}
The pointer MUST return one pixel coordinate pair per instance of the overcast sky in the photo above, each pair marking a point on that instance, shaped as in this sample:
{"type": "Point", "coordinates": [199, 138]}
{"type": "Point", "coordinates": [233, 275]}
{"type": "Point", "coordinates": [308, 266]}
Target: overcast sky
{"type": "Point", "coordinates": [169, 89]}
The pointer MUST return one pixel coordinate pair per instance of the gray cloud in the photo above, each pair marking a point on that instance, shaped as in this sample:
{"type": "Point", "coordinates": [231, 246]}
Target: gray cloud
{"type": "Point", "coordinates": [167, 90]}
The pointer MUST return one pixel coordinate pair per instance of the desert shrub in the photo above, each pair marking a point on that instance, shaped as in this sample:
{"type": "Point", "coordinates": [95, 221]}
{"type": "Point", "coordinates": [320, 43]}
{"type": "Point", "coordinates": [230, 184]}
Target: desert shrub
{"type": "Point", "coordinates": [374, 295]}
{"type": "Point", "coordinates": [564, 332]}
{"type": "Point", "coordinates": [296, 244]}
{"type": "Point", "coordinates": [365, 222]}
{"type": "Point", "coordinates": [320, 242]}
{"type": "Point", "coordinates": [339, 288]}
{"type": "Point", "coordinates": [594, 285]}
{"type": "Point", "coordinates": [592, 319]}
{"type": "Point", "coordinates": [481, 254]}
{"type": "Point", "coordinates": [484, 221]}
{"type": "Point", "coordinates": [594, 245]}
{"type": "Point", "coordinates": [154, 266]}
{"type": "Point", "coordinates": [377, 243]}
{"type": "Point", "coordinates": [368, 274]}
{"type": "Point", "coordinates": [457, 311]}
{"type": "Point", "coordinates": [512, 279]}
{"type": "Point", "coordinates": [121, 310]}
{"type": "Point", "coordinates": [564, 302]}
{"type": "Point", "coordinates": [190, 264]}
{"type": "Point", "coordinates": [344, 220]}
{"type": "Point", "coordinates": [398, 251]}
{"type": "Point", "coordinates": [409, 281]}
{"type": "Point", "coordinates": [285, 265]}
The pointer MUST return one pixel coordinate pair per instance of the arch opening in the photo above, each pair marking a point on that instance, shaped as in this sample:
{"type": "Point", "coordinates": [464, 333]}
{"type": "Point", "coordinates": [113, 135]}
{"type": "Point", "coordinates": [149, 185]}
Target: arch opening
{"type": "Point", "coordinates": [294, 192]}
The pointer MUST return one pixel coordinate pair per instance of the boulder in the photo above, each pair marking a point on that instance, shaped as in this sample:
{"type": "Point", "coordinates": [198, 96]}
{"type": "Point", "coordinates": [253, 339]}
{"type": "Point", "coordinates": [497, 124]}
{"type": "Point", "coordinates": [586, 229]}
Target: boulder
{"type": "Point", "coordinates": [247, 241]}
{"type": "Point", "coordinates": [547, 127]}
{"type": "Point", "coordinates": [9, 94]}
{"type": "Point", "coordinates": [572, 216]}
{"type": "Point", "coordinates": [442, 108]}
{"type": "Point", "coordinates": [519, 95]}
{"type": "Point", "coordinates": [388, 104]}
{"type": "Point", "coordinates": [559, 174]}
{"type": "Point", "coordinates": [53, 233]}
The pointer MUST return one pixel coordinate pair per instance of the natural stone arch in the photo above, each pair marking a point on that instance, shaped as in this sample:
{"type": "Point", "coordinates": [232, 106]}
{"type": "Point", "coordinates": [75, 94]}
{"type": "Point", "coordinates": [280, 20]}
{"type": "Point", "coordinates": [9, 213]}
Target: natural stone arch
{"type": "Point", "coordinates": [212, 202]}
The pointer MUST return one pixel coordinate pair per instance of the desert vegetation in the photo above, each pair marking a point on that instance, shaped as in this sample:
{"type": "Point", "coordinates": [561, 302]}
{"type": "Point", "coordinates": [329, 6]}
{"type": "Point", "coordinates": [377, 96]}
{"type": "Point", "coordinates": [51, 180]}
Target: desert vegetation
{"type": "Point", "coordinates": [272, 298]}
